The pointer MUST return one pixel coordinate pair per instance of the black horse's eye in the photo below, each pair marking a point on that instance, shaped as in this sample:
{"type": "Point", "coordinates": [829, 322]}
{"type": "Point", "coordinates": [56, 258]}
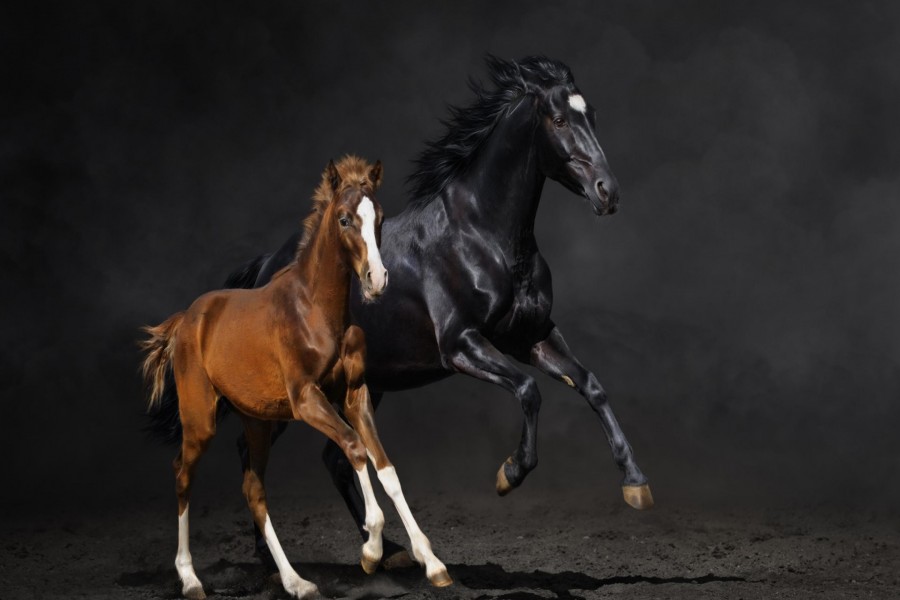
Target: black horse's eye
{"type": "Point", "coordinates": [344, 221]}
{"type": "Point", "coordinates": [559, 122]}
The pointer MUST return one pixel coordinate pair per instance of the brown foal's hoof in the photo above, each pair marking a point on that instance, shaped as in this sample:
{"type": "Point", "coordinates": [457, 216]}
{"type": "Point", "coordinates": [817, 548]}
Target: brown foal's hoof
{"type": "Point", "coordinates": [503, 485]}
{"type": "Point", "coordinates": [638, 496]}
{"type": "Point", "coordinates": [194, 593]}
{"type": "Point", "coordinates": [440, 579]}
{"type": "Point", "coordinates": [368, 565]}
{"type": "Point", "coordinates": [398, 560]}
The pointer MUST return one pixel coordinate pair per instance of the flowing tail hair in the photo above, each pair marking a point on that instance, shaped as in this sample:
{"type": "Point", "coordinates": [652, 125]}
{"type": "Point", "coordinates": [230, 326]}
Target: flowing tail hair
{"type": "Point", "coordinates": [159, 348]}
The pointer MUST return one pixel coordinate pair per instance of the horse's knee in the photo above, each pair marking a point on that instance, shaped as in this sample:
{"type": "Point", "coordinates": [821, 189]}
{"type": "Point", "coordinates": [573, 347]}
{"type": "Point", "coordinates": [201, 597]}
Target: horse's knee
{"type": "Point", "coordinates": [356, 453]}
{"type": "Point", "coordinates": [528, 394]}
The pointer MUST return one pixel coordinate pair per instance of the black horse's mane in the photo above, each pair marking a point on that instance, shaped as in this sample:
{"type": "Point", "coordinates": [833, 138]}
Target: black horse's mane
{"type": "Point", "coordinates": [446, 157]}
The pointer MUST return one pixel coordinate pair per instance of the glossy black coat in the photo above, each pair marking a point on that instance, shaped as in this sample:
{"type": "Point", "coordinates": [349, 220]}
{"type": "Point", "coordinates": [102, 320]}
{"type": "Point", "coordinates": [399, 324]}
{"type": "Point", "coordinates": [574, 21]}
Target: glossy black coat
{"type": "Point", "coordinates": [468, 284]}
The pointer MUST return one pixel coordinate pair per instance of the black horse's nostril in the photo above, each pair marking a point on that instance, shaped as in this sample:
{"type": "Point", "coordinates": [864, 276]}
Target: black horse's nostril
{"type": "Point", "coordinates": [608, 191]}
{"type": "Point", "coordinates": [385, 277]}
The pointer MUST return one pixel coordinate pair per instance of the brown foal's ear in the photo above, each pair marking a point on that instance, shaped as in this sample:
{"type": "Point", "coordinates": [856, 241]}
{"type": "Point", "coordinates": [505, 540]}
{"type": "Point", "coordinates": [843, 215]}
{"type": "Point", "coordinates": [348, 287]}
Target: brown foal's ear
{"type": "Point", "coordinates": [375, 174]}
{"type": "Point", "coordinates": [334, 178]}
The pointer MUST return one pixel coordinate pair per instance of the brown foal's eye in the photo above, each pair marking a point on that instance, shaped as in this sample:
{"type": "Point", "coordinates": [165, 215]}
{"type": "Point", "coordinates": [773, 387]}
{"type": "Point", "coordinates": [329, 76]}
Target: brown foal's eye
{"type": "Point", "coordinates": [344, 221]}
{"type": "Point", "coordinates": [559, 122]}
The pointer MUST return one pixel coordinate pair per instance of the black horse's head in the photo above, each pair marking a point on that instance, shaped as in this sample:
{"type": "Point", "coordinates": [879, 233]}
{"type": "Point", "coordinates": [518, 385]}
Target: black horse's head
{"type": "Point", "coordinates": [566, 142]}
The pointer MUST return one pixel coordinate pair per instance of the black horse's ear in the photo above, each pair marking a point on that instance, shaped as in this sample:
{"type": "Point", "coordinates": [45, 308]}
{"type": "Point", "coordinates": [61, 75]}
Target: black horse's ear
{"type": "Point", "coordinates": [375, 174]}
{"type": "Point", "coordinates": [334, 178]}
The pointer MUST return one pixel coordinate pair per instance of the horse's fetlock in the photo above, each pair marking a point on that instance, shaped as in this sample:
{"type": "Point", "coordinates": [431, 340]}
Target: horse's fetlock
{"type": "Point", "coordinates": [529, 463]}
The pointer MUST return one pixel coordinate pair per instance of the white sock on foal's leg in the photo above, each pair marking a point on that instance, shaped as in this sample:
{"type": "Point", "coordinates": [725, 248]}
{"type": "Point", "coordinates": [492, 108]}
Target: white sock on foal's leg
{"type": "Point", "coordinates": [190, 584]}
{"type": "Point", "coordinates": [294, 584]}
{"type": "Point", "coordinates": [421, 547]}
{"type": "Point", "coordinates": [372, 549]}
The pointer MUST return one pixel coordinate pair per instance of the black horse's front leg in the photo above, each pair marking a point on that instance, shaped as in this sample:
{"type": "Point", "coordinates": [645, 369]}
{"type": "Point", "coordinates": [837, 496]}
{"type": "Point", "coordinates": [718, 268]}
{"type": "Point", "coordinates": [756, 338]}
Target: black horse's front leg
{"type": "Point", "coordinates": [552, 356]}
{"type": "Point", "coordinates": [474, 355]}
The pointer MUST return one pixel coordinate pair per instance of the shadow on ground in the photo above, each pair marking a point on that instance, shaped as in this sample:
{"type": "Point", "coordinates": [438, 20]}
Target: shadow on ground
{"type": "Point", "coordinates": [226, 579]}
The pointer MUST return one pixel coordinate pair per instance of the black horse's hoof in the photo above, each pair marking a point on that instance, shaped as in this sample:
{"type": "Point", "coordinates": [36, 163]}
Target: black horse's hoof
{"type": "Point", "coordinates": [638, 496]}
{"type": "Point", "coordinates": [398, 560]}
{"type": "Point", "coordinates": [503, 482]}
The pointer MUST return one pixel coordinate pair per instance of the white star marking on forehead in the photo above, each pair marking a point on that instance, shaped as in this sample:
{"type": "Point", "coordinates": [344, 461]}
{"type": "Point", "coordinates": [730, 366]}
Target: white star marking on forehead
{"type": "Point", "coordinates": [577, 102]}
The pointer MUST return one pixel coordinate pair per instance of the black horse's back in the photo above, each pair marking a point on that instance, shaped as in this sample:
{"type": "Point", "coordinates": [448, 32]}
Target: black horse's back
{"type": "Point", "coordinates": [245, 275]}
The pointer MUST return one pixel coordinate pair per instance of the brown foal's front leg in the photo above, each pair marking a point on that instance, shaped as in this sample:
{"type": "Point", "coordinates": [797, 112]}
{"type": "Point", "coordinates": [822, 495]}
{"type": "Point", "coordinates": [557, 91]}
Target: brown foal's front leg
{"type": "Point", "coordinates": [360, 413]}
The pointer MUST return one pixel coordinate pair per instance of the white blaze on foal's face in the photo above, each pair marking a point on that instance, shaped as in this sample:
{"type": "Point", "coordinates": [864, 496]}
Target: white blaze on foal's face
{"type": "Point", "coordinates": [577, 102]}
{"type": "Point", "coordinates": [366, 212]}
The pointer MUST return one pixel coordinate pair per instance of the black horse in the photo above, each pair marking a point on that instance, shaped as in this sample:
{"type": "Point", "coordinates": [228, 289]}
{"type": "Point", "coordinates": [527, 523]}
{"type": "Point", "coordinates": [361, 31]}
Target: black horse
{"type": "Point", "coordinates": [468, 283]}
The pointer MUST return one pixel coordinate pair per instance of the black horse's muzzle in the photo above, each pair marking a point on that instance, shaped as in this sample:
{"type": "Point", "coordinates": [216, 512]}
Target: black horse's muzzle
{"type": "Point", "coordinates": [594, 182]}
{"type": "Point", "coordinates": [607, 195]}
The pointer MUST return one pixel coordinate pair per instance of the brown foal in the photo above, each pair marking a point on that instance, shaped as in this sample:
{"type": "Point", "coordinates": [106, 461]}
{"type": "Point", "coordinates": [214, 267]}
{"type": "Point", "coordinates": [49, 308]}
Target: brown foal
{"type": "Point", "coordinates": [288, 351]}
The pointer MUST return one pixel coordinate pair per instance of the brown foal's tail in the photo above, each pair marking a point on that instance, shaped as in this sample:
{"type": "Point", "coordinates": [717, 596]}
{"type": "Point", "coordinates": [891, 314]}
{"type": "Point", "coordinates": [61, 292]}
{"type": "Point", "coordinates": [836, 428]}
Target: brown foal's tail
{"type": "Point", "coordinates": [159, 347]}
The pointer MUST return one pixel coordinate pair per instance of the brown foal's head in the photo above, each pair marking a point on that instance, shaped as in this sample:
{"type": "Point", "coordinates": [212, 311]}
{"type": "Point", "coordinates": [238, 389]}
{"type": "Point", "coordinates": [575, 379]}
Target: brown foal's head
{"type": "Point", "coordinates": [357, 215]}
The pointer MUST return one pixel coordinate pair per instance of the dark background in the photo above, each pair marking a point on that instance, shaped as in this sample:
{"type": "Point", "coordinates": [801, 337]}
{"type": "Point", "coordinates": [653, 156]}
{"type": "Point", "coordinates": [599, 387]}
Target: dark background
{"type": "Point", "coordinates": [742, 309]}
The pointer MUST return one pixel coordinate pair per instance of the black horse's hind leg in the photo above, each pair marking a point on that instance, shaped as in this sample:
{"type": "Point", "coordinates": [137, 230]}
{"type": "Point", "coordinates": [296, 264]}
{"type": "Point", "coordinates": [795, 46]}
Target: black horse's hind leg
{"type": "Point", "coordinates": [395, 556]}
{"type": "Point", "coordinates": [474, 355]}
{"type": "Point", "coordinates": [553, 357]}
{"type": "Point", "coordinates": [262, 548]}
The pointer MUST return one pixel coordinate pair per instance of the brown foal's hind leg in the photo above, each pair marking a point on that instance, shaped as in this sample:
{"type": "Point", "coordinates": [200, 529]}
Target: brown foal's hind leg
{"type": "Point", "coordinates": [360, 413]}
{"type": "Point", "coordinates": [197, 407]}
{"type": "Point", "coordinates": [259, 440]}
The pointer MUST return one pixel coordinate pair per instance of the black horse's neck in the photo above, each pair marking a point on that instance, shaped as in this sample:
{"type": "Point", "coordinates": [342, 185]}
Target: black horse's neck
{"type": "Point", "coordinates": [501, 189]}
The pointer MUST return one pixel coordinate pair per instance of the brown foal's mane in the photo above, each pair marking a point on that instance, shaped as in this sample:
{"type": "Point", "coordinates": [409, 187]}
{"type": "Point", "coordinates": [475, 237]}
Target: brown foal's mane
{"type": "Point", "coordinates": [354, 172]}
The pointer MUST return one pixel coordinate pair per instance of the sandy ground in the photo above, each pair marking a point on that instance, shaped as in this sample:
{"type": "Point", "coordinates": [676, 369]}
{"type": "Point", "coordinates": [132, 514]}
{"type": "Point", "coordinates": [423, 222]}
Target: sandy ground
{"type": "Point", "coordinates": [527, 548]}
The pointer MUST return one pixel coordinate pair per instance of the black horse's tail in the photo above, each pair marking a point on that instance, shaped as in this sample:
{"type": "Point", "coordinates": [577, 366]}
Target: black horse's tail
{"type": "Point", "coordinates": [164, 417]}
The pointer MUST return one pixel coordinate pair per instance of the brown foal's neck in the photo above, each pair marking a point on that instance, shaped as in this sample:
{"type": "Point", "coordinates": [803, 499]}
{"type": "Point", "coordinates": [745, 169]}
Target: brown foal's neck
{"type": "Point", "coordinates": [325, 272]}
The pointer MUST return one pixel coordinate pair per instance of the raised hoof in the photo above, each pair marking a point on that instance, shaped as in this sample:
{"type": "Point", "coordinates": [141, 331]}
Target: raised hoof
{"type": "Point", "coordinates": [194, 593]}
{"type": "Point", "coordinates": [368, 565]}
{"type": "Point", "coordinates": [440, 579]}
{"type": "Point", "coordinates": [398, 560]}
{"type": "Point", "coordinates": [503, 485]}
{"type": "Point", "coordinates": [638, 496]}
